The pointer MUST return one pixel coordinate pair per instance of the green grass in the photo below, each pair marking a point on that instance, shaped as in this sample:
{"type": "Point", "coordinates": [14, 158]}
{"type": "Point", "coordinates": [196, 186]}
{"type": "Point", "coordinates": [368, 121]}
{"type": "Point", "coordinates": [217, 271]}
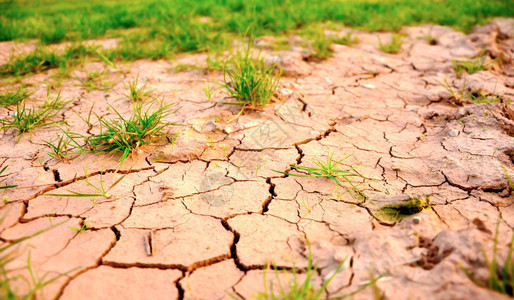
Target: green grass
{"type": "Point", "coordinates": [393, 46]}
{"type": "Point", "coordinates": [94, 80]}
{"type": "Point", "coordinates": [2, 177]}
{"type": "Point", "coordinates": [26, 119]}
{"type": "Point", "coordinates": [249, 80]}
{"type": "Point", "coordinates": [328, 168]}
{"type": "Point", "coordinates": [136, 92]}
{"type": "Point", "coordinates": [186, 67]}
{"type": "Point", "coordinates": [56, 21]}
{"type": "Point", "coordinates": [214, 63]}
{"type": "Point", "coordinates": [14, 96]}
{"type": "Point", "coordinates": [319, 45]}
{"type": "Point", "coordinates": [136, 47]}
{"type": "Point", "coordinates": [470, 66]}
{"type": "Point", "coordinates": [8, 253]}
{"type": "Point", "coordinates": [429, 38]}
{"type": "Point", "coordinates": [507, 176]}
{"type": "Point", "coordinates": [160, 29]}
{"type": "Point", "coordinates": [98, 189]}
{"type": "Point", "coordinates": [61, 149]}
{"type": "Point", "coordinates": [42, 59]}
{"type": "Point", "coordinates": [481, 97]}
{"type": "Point", "coordinates": [463, 95]}
{"type": "Point", "coordinates": [82, 228]}
{"type": "Point", "coordinates": [209, 91]}
{"type": "Point", "coordinates": [124, 135]}
{"type": "Point", "coordinates": [295, 289]}
{"type": "Point", "coordinates": [500, 278]}
{"type": "Point", "coordinates": [55, 103]}
{"type": "Point", "coordinates": [347, 39]}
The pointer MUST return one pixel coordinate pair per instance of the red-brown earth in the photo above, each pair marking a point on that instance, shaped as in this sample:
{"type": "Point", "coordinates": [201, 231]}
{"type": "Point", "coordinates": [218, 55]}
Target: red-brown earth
{"type": "Point", "coordinates": [200, 218]}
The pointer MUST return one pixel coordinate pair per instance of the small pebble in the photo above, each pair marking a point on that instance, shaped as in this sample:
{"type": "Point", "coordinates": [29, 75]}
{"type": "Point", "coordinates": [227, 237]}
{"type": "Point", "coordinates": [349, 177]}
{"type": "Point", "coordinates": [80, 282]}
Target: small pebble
{"type": "Point", "coordinates": [340, 256]}
{"type": "Point", "coordinates": [251, 124]}
{"type": "Point", "coordinates": [454, 132]}
{"type": "Point", "coordinates": [510, 83]}
{"type": "Point", "coordinates": [209, 126]}
{"type": "Point", "coordinates": [504, 193]}
{"type": "Point", "coordinates": [416, 220]}
{"type": "Point", "coordinates": [286, 92]}
{"type": "Point", "coordinates": [197, 126]}
{"type": "Point", "coordinates": [368, 86]}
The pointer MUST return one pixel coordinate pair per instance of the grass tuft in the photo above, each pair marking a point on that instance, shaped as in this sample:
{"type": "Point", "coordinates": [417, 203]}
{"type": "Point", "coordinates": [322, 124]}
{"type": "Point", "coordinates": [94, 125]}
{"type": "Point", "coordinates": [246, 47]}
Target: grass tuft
{"type": "Point", "coordinates": [55, 103]}
{"type": "Point", "coordinates": [124, 135]}
{"type": "Point", "coordinates": [98, 189]}
{"type": "Point", "coordinates": [470, 66]}
{"type": "Point", "coordinates": [82, 228]}
{"type": "Point", "coordinates": [214, 63]}
{"type": "Point", "coordinates": [26, 119]}
{"type": "Point", "coordinates": [94, 81]}
{"type": "Point", "coordinates": [8, 253]}
{"type": "Point", "coordinates": [429, 38]}
{"type": "Point", "coordinates": [393, 46]}
{"type": "Point", "coordinates": [14, 96]}
{"type": "Point", "coordinates": [328, 168]}
{"type": "Point", "coordinates": [249, 80]}
{"type": "Point", "coordinates": [2, 177]}
{"type": "Point", "coordinates": [42, 59]}
{"type": "Point", "coordinates": [319, 45]}
{"type": "Point", "coordinates": [347, 39]}
{"type": "Point", "coordinates": [62, 148]}
{"type": "Point", "coordinates": [501, 278]}
{"type": "Point", "coordinates": [209, 91]}
{"type": "Point", "coordinates": [464, 95]}
{"type": "Point", "coordinates": [136, 93]}
{"type": "Point", "coordinates": [304, 290]}
{"type": "Point", "coordinates": [297, 290]}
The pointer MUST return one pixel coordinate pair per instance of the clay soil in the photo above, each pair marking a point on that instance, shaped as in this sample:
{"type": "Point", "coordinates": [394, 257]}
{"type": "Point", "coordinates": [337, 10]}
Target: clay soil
{"type": "Point", "coordinates": [200, 218]}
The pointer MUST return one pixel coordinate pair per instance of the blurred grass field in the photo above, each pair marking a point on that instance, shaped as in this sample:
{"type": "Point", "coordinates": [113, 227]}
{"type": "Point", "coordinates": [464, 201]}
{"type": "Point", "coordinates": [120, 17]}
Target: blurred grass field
{"type": "Point", "coordinates": [161, 29]}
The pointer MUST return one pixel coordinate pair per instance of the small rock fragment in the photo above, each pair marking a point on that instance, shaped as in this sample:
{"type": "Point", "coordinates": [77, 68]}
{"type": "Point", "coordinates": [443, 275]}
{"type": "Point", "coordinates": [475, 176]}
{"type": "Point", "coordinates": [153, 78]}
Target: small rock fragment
{"type": "Point", "coordinates": [209, 126]}
{"type": "Point", "coordinates": [416, 220]}
{"type": "Point", "coordinates": [283, 93]}
{"type": "Point", "coordinates": [453, 132]}
{"type": "Point", "coordinates": [340, 256]}
{"type": "Point", "coordinates": [147, 241]}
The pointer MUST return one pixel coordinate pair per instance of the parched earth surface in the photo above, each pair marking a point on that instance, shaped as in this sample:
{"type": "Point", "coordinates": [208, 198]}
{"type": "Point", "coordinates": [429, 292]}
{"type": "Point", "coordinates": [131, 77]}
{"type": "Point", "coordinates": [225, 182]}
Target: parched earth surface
{"type": "Point", "coordinates": [198, 219]}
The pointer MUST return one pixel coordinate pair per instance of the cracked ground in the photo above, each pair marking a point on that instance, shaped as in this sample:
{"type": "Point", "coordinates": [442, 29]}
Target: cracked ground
{"type": "Point", "coordinates": [201, 217]}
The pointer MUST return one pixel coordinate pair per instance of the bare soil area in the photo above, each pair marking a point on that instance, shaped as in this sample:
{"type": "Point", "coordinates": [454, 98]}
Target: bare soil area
{"type": "Point", "coordinates": [201, 217]}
